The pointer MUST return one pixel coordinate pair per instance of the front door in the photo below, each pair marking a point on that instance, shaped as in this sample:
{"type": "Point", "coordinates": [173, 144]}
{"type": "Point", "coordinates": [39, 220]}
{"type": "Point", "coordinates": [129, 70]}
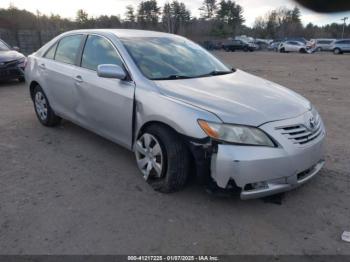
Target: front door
{"type": "Point", "coordinates": [104, 105]}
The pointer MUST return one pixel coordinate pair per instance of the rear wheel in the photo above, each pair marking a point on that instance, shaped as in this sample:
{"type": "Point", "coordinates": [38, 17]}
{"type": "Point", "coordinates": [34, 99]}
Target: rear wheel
{"type": "Point", "coordinates": [282, 50]}
{"type": "Point", "coordinates": [42, 108]}
{"type": "Point", "coordinates": [162, 158]}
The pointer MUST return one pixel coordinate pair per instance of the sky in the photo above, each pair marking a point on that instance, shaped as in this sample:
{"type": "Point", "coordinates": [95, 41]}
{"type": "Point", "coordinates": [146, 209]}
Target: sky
{"type": "Point", "coordinates": [252, 8]}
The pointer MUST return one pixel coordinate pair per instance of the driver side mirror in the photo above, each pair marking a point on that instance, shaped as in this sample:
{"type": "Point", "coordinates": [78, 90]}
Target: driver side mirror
{"type": "Point", "coordinates": [16, 48]}
{"type": "Point", "coordinates": [111, 71]}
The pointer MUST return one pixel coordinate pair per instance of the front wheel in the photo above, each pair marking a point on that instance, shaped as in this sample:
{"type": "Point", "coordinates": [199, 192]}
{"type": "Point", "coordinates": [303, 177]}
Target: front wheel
{"type": "Point", "coordinates": [337, 51]}
{"type": "Point", "coordinates": [42, 108]}
{"type": "Point", "coordinates": [162, 158]}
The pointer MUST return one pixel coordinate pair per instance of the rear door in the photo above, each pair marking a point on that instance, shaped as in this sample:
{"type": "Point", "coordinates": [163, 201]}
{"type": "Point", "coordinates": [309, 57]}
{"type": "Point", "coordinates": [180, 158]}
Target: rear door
{"type": "Point", "coordinates": [104, 105]}
{"type": "Point", "coordinates": [58, 68]}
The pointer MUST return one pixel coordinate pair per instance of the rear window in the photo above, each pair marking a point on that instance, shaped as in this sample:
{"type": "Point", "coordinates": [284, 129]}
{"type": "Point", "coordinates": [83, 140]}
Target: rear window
{"type": "Point", "coordinates": [68, 48]}
{"type": "Point", "coordinates": [50, 54]}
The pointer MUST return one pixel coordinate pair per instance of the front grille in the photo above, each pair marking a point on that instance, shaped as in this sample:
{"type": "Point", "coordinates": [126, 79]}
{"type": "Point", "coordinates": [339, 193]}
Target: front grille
{"type": "Point", "coordinates": [300, 134]}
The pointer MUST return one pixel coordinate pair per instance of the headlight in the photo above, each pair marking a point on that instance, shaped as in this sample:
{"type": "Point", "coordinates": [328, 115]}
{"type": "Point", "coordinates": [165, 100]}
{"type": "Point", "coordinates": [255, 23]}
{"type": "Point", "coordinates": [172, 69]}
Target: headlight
{"type": "Point", "coordinates": [22, 62]}
{"type": "Point", "coordinates": [237, 134]}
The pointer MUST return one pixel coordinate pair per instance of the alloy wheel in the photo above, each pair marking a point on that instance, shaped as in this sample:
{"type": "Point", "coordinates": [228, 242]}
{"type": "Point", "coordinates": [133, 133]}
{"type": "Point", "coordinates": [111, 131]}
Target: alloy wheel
{"type": "Point", "coordinates": [149, 156]}
{"type": "Point", "coordinates": [41, 105]}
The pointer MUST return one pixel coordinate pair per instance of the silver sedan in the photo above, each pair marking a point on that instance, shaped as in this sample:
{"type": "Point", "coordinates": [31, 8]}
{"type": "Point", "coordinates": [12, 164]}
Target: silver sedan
{"type": "Point", "coordinates": [180, 109]}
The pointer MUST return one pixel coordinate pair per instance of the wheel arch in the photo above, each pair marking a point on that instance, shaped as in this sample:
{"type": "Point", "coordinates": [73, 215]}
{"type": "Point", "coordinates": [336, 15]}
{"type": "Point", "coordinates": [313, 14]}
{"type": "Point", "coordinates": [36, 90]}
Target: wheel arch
{"type": "Point", "coordinates": [32, 86]}
{"type": "Point", "coordinates": [143, 128]}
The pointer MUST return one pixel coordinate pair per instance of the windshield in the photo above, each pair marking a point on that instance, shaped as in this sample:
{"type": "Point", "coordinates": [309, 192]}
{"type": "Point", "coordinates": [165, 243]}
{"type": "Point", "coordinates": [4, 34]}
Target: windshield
{"type": "Point", "coordinates": [3, 46]}
{"type": "Point", "coordinates": [161, 58]}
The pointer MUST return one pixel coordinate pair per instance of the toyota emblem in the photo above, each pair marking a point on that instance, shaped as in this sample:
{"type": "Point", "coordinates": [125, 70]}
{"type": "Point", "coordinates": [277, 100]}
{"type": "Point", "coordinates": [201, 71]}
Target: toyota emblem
{"type": "Point", "coordinates": [312, 123]}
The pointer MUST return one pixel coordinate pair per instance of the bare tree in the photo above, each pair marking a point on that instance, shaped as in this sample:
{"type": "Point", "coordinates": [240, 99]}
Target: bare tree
{"type": "Point", "coordinates": [208, 9]}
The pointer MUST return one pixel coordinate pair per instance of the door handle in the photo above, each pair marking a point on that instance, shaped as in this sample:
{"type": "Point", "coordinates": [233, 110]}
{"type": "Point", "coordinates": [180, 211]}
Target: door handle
{"type": "Point", "coordinates": [42, 66]}
{"type": "Point", "coordinates": [79, 79]}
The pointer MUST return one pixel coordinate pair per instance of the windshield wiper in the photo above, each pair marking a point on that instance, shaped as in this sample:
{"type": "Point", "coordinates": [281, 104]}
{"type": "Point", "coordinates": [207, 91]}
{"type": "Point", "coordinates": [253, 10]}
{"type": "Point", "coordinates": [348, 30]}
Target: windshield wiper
{"type": "Point", "coordinates": [217, 73]}
{"type": "Point", "coordinates": [212, 73]}
{"type": "Point", "coordinates": [173, 77]}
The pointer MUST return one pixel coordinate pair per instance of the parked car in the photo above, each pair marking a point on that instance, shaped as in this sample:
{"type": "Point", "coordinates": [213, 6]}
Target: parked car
{"type": "Point", "coordinates": [177, 106]}
{"type": "Point", "coordinates": [321, 44]}
{"type": "Point", "coordinates": [273, 46]}
{"type": "Point", "coordinates": [233, 45]}
{"type": "Point", "coordinates": [12, 63]}
{"type": "Point", "coordinates": [341, 46]}
{"type": "Point", "coordinates": [292, 46]}
{"type": "Point", "coordinates": [261, 44]}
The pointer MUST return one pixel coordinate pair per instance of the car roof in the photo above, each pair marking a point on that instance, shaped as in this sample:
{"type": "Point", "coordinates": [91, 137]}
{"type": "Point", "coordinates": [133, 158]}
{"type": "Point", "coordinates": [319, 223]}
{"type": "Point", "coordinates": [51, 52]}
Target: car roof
{"type": "Point", "coordinates": [125, 32]}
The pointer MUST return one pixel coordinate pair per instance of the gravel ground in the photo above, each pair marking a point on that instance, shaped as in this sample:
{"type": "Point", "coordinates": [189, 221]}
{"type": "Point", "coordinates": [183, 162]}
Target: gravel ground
{"type": "Point", "coordinates": [68, 191]}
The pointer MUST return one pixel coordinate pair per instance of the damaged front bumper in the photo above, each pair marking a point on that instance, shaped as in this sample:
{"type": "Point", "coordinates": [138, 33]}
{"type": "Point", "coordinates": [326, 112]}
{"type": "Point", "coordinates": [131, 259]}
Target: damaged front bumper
{"type": "Point", "coordinates": [263, 171]}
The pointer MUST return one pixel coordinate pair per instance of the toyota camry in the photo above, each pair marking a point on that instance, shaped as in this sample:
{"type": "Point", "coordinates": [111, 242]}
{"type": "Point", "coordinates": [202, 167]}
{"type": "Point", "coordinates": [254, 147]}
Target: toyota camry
{"type": "Point", "coordinates": [179, 109]}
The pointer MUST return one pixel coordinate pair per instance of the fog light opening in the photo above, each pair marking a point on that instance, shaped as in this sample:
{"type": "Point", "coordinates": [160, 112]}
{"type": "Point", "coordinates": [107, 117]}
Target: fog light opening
{"type": "Point", "coordinates": [256, 186]}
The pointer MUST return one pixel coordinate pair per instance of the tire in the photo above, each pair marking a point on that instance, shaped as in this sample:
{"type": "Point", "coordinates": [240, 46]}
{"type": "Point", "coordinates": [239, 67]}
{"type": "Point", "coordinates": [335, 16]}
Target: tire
{"type": "Point", "coordinates": [245, 49]}
{"type": "Point", "coordinates": [337, 51]}
{"type": "Point", "coordinates": [302, 51]}
{"type": "Point", "coordinates": [282, 50]}
{"type": "Point", "coordinates": [173, 159]}
{"type": "Point", "coordinates": [43, 110]}
{"type": "Point", "coordinates": [21, 79]}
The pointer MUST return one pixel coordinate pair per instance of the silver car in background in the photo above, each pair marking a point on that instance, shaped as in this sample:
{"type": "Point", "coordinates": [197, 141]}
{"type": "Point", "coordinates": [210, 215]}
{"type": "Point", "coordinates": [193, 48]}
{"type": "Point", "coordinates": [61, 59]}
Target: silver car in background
{"type": "Point", "coordinates": [341, 46]}
{"type": "Point", "coordinates": [180, 109]}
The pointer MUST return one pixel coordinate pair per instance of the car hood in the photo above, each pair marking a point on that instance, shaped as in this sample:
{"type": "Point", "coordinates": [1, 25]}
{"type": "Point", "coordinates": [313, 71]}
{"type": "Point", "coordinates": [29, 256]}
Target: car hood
{"type": "Point", "coordinates": [7, 56]}
{"type": "Point", "coordinates": [237, 98]}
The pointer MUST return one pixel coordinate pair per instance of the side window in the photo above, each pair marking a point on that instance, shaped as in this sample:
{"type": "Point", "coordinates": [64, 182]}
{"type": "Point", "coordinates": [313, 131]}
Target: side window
{"type": "Point", "coordinates": [99, 51]}
{"type": "Point", "coordinates": [50, 54]}
{"type": "Point", "coordinates": [68, 48]}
